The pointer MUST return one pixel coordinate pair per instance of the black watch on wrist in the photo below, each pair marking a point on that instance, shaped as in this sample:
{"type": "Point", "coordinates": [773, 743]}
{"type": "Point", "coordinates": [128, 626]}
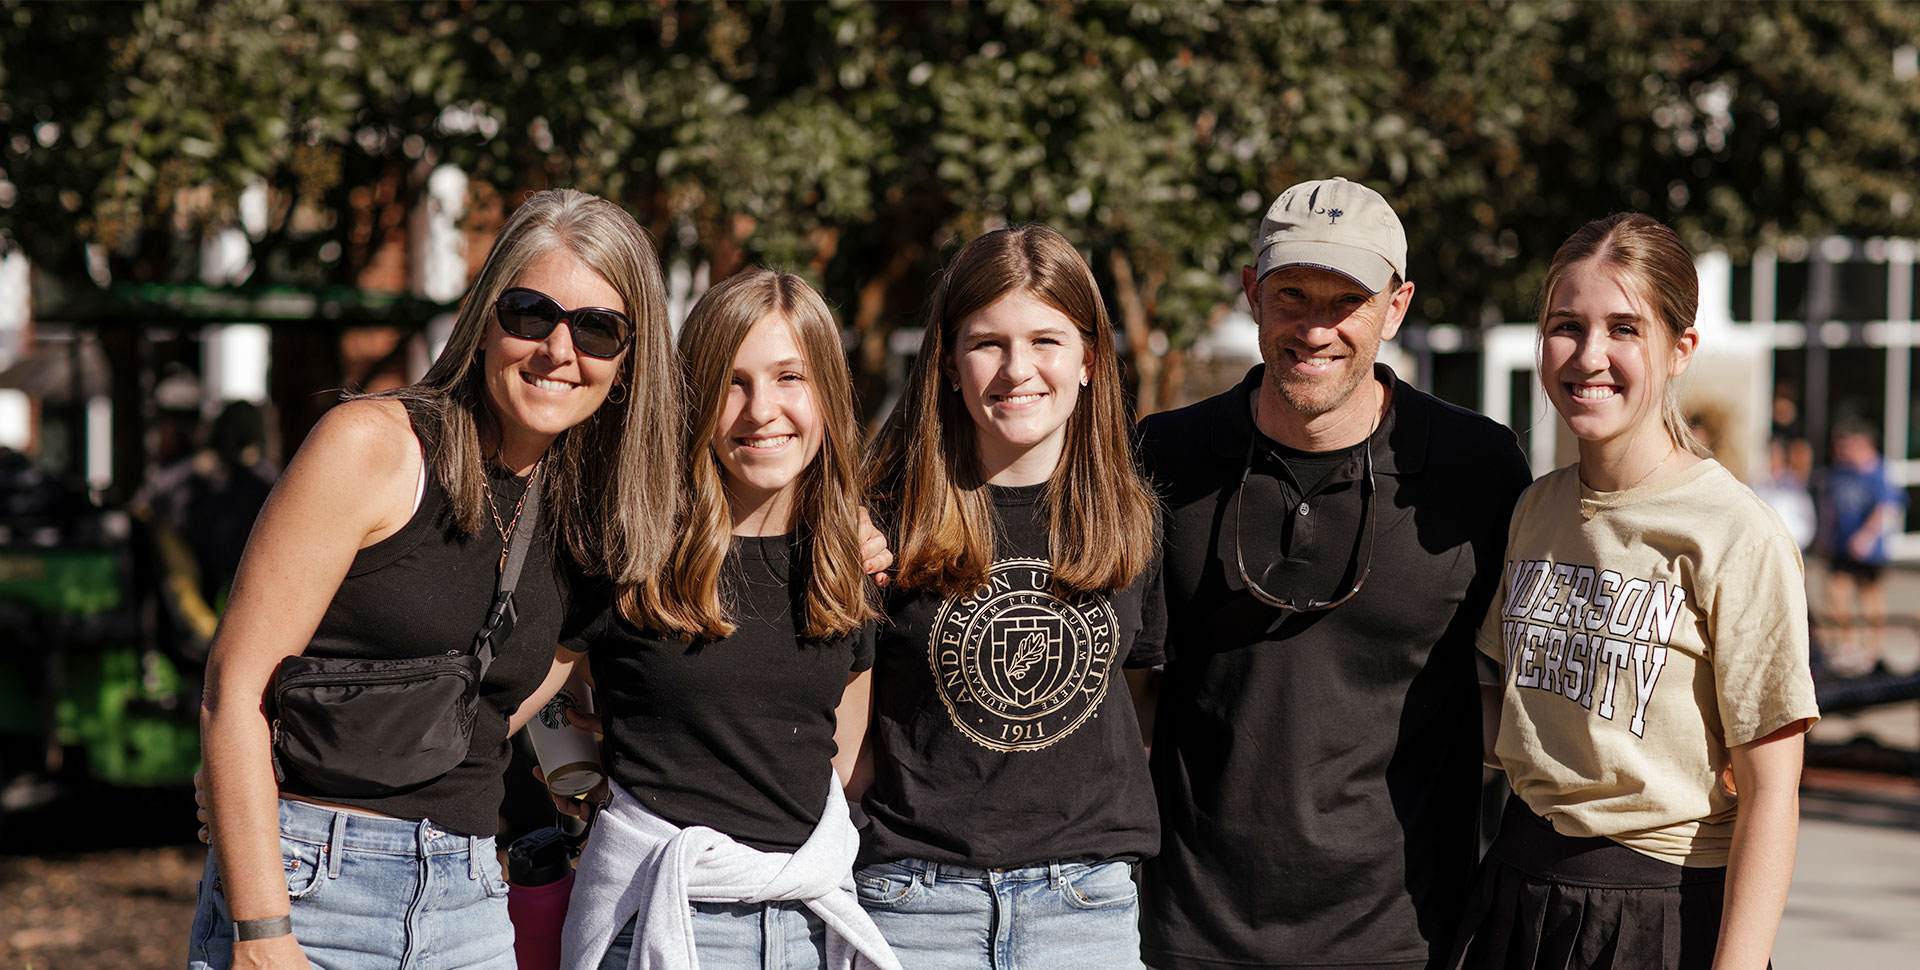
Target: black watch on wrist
{"type": "Point", "coordinates": [262, 929]}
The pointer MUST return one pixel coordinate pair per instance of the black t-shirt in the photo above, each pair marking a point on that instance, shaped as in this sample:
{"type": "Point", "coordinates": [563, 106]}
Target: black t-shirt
{"type": "Point", "coordinates": [1004, 734]}
{"type": "Point", "coordinates": [1308, 470]}
{"type": "Point", "coordinates": [425, 591]}
{"type": "Point", "coordinates": [734, 734]}
{"type": "Point", "coordinates": [1318, 773]}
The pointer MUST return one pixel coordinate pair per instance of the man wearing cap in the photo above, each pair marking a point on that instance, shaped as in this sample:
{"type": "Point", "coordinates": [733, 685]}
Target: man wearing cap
{"type": "Point", "coordinates": [1333, 537]}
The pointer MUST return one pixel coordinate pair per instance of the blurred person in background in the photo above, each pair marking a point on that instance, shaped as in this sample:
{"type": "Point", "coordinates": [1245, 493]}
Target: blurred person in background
{"type": "Point", "coordinates": [1784, 415]}
{"type": "Point", "coordinates": [31, 495]}
{"type": "Point", "coordinates": [211, 496]}
{"type": "Point", "coordinates": [1785, 491]}
{"type": "Point", "coordinates": [1859, 506]}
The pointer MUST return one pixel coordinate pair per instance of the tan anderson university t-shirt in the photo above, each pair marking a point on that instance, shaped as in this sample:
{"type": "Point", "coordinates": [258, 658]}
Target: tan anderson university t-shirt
{"type": "Point", "coordinates": [1641, 634]}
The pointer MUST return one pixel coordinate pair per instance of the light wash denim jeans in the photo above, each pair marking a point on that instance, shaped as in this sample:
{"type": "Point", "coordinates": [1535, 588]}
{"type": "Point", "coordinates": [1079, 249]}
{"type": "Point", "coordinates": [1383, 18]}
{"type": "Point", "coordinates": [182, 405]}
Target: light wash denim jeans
{"type": "Point", "coordinates": [782, 935]}
{"type": "Point", "coordinates": [1062, 916]}
{"type": "Point", "coordinates": [374, 894]}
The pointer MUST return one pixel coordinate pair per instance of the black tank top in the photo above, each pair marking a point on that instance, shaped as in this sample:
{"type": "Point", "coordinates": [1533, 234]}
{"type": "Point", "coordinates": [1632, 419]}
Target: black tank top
{"type": "Point", "coordinates": [424, 591]}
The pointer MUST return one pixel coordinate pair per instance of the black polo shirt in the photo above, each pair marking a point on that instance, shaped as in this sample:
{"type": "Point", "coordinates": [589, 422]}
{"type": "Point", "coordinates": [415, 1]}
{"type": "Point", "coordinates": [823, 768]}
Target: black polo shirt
{"type": "Point", "coordinates": [1318, 773]}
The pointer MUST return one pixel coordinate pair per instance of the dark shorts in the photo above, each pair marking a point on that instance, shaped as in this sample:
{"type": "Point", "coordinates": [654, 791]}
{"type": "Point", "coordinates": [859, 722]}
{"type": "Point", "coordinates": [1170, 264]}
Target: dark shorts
{"type": "Point", "coordinates": [1864, 572]}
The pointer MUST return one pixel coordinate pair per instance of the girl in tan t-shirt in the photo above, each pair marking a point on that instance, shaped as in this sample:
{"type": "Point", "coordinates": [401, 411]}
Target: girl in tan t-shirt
{"type": "Point", "coordinates": [1651, 631]}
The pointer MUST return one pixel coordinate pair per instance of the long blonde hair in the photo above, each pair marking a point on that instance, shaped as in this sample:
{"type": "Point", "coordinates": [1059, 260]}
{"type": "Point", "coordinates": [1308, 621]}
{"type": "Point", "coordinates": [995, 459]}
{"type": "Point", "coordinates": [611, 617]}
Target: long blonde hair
{"type": "Point", "coordinates": [1644, 252]}
{"type": "Point", "coordinates": [1100, 534]}
{"type": "Point", "coordinates": [685, 598]}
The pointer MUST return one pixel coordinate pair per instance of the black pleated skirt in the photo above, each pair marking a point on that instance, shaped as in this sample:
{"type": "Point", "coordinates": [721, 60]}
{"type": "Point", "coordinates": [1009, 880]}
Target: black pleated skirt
{"type": "Point", "coordinates": [1545, 900]}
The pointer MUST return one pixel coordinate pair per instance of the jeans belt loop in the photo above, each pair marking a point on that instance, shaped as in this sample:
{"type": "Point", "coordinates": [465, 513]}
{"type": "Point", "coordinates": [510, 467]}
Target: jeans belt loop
{"type": "Point", "coordinates": [1054, 879]}
{"type": "Point", "coordinates": [473, 858]}
{"type": "Point", "coordinates": [335, 843]}
{"type": "Point", "coordinates": [929, 873]}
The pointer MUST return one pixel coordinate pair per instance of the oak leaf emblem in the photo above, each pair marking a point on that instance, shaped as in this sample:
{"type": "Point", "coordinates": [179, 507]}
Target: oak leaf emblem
{"type": "Point", "coordinates": [1027, 654]}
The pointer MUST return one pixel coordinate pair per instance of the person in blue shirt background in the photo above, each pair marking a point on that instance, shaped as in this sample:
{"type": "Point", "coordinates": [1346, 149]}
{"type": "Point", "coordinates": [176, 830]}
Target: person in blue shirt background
{"type": "Point", "coordinates": [1858, 513]}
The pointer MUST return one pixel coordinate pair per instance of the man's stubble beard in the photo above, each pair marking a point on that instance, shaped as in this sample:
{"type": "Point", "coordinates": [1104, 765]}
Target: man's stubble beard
{"type": "Point", "coordinates": [1311, 398]}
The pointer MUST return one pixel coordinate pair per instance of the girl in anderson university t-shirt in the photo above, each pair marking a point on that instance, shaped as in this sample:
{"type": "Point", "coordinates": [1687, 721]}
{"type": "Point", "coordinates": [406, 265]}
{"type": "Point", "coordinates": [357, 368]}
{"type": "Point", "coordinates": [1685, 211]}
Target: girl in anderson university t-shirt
{"type": "Point", "coordinates": [1009, 795]}
{"type": "Point", "coordinates": [1651, 630]}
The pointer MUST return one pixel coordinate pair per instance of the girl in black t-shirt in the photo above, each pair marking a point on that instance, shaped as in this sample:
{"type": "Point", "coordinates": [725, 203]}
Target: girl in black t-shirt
{"type": "Point", "coordinates": [1009, 792]}
{"type": "Point", "coordinates": [723, 679]}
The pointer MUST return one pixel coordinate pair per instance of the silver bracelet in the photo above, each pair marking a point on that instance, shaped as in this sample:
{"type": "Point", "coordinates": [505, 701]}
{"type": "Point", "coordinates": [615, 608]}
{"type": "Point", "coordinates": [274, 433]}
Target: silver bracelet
{"type": "Point", "coordinates": [262, 929]}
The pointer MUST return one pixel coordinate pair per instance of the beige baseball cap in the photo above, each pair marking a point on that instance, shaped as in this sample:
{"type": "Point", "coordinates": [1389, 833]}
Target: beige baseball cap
{"type": "Point", "coordinates": [1335, 225]}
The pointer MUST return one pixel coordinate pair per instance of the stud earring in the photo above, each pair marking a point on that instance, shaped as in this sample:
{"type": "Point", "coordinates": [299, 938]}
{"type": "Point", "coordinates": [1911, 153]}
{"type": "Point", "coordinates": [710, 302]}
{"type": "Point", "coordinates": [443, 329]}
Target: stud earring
{"type": "Point", "coordinates": [1083, 382]}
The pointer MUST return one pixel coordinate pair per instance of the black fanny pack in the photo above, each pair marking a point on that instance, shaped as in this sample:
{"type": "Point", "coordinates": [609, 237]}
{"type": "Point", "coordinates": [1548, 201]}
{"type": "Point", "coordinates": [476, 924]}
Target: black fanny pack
{"type": "Point", "coordinates": [366, 728]}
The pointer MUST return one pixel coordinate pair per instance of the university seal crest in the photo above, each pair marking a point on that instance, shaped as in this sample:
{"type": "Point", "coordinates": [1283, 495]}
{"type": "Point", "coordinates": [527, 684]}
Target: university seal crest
{"type": "Point", "coordinates": [1018, 667]}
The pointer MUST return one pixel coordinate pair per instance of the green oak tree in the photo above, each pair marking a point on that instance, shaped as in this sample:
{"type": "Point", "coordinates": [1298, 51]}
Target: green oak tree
{"type": "Point", "coordinates": [860, 143]}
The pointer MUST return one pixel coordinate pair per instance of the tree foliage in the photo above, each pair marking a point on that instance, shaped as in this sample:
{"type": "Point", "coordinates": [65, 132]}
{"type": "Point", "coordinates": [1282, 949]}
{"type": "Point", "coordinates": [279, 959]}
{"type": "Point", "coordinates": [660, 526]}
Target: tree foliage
{"type": "Point", "coordinates": [859, 143]}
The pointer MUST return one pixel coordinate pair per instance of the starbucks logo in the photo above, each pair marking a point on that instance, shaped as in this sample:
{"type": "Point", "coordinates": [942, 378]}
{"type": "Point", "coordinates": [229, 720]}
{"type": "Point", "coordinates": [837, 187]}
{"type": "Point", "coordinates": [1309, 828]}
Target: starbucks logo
{"type": "Point", "coordinates": [554, 715]}
{"type": "Point", "coordinates": [1018, 667]}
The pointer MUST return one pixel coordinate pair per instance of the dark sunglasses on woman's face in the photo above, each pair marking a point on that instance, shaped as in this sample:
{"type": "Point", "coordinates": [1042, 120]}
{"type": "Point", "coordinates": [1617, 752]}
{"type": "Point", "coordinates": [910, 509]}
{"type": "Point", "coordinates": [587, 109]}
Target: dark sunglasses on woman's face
{"type": "Point", "coordinates": [532, 315]}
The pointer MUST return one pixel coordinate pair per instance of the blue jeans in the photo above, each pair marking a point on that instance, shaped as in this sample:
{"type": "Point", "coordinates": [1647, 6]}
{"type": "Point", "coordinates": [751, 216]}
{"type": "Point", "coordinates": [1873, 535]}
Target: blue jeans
{"type": "Point", "coordinates": [1061, 916]}
{"type": "Point", "coordinates": [744, 936]}
{"type": "Point", "coordinates": [374, 894]}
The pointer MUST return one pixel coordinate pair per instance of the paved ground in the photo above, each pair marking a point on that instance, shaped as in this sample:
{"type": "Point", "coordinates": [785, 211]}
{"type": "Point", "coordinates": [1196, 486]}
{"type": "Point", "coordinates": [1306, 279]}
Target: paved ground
{"type": "Point", "coordinates": [1855, 902]}
{"type": "Point", "coordinates": [1856, 889]}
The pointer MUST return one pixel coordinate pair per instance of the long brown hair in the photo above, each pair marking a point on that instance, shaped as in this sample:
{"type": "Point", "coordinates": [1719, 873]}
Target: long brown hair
{"type": "Point", "coordinates": [1644, 252]}
{"type": "Point", "coordinates": [1100, 534]}
{"type": "Point", "coordinates": [685, 597]}
{"type": "Point", "coordinates": [611, 484]}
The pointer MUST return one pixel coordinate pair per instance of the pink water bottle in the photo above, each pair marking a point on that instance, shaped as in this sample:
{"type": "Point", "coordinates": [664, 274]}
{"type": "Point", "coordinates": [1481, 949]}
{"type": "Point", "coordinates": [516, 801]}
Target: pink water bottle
{"type": "Point", "coordinates": [539, 881]}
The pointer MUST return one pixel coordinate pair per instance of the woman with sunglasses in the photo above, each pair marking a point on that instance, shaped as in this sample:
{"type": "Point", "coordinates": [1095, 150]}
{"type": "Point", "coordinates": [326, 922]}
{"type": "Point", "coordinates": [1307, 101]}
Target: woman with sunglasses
{"type": "Point", "coordinates": [1651, 629]}
{"type": "Point", "coordinates": [733, 682]}
{"type": "Point", "coordinates": [1010, 795]}
{"type": "Point", "coordinates": [386, 539]}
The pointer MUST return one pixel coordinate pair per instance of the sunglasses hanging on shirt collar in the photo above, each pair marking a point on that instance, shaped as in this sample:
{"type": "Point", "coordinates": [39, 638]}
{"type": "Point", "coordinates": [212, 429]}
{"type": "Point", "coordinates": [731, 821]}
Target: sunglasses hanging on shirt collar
{"type": "Point", "coordinates": [1359, 565]}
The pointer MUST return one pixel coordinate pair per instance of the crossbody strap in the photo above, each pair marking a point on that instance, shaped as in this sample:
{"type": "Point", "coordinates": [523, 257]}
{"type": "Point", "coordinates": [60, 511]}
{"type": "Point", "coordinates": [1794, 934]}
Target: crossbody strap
{"type": "Point", "coordinates": [502, 616]}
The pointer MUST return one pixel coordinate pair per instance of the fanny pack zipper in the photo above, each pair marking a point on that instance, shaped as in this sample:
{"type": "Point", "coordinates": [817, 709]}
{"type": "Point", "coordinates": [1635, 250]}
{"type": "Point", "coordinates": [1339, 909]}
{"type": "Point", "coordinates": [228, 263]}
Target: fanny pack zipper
{"type": "Point", "coordinates": [371, 677]}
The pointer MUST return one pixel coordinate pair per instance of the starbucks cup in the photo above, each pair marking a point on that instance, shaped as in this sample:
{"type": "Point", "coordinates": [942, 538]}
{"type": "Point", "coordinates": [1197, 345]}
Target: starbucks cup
{"type": "Point", "coordinates": [569, 756]}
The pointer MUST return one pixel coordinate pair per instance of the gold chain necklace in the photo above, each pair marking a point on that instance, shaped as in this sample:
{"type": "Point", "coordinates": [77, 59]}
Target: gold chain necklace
{"type": "Point", "coordinates": [1590, 507]}
{"type": "Point", "coordinates": [1671, 451]}
{"type": "Point", "coordinates": [1636, 482]}
{"type": "Point", "coordinates": [506, 531]}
